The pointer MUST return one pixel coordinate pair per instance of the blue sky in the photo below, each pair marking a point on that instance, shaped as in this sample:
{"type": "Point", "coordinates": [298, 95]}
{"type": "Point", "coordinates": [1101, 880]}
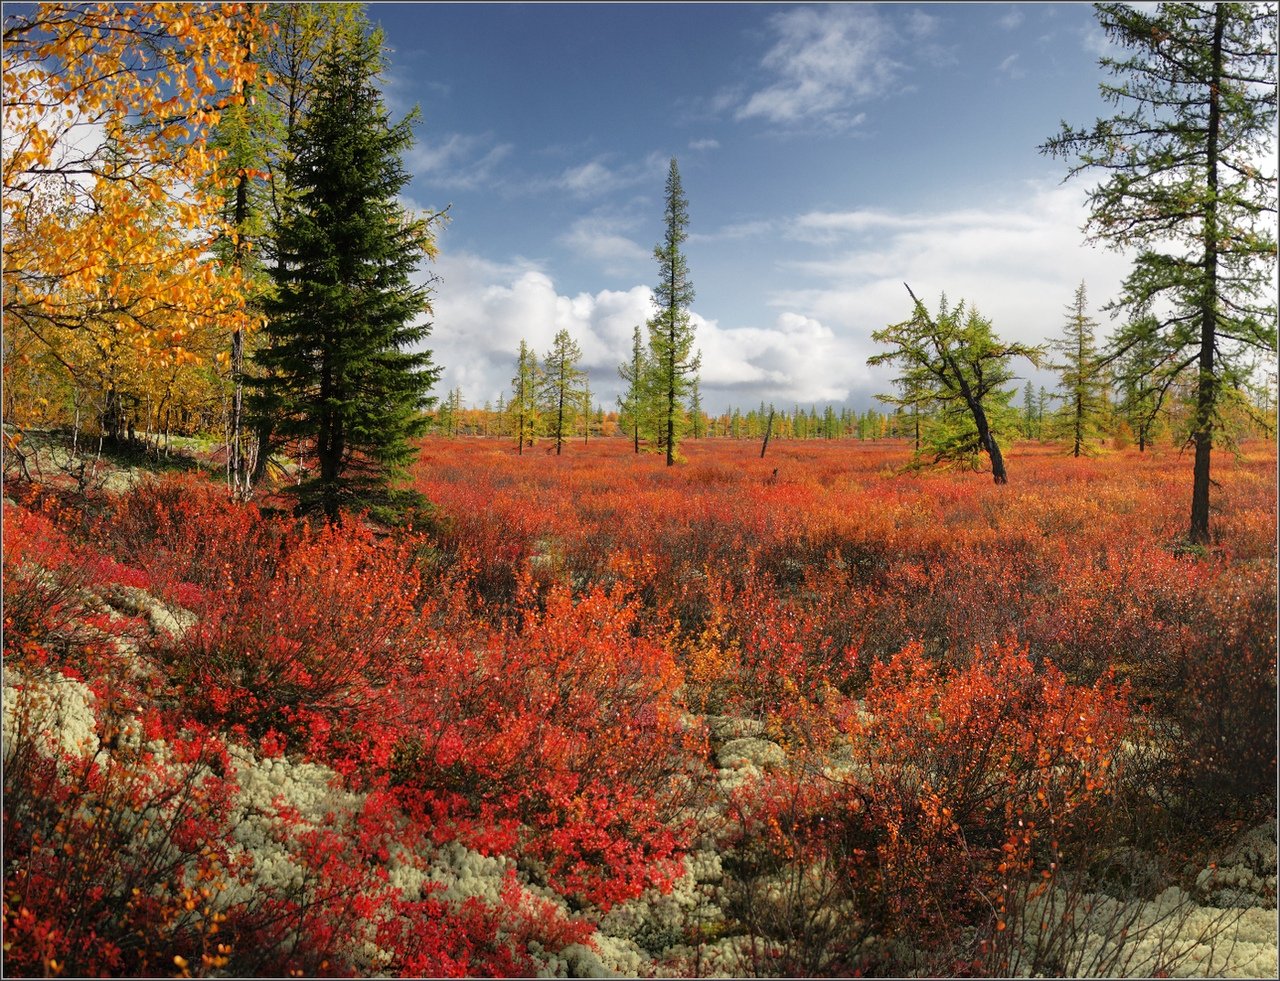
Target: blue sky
{"type": "Point", "coordinates": [828, 153]}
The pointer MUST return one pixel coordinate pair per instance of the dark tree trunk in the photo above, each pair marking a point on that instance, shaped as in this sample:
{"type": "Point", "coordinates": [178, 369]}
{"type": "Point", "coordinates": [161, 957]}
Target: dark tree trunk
{"type": "Point", "coordinates": [767, 430]}
{"type": "Point", "coordinates": [989, 444]}
{"type": "Point", "coordinates": [1207, 387]}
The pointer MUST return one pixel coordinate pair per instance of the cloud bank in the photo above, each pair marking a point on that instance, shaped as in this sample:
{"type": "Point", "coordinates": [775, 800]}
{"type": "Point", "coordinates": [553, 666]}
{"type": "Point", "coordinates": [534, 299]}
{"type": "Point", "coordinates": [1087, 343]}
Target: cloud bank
{"type": "Point", "coordinates": [1018, 263]}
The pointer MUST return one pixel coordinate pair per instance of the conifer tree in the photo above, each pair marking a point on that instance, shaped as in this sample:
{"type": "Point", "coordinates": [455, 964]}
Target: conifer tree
{"type": "Point", "coordinates": [631, 403]}
{"type": "Point", "coordinates": [344, 363]}
{"type": "Point", "coordinates": [673, 361]}
{"type": "Point", "coordinates": [562, 385]}
{"type": "Point", "coordinates": [1083, 385]}
{"type": "Point", "coordinates": [523, 406]}
{"type": "Point", "coordinates": [1183, 185]}
{"type": "Point", "coordinates": [954, 361]}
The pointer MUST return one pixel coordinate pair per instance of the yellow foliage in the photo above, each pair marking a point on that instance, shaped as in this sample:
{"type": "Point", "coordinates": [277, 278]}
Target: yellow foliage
{"type": "Point", "coordinates": [109, 204]}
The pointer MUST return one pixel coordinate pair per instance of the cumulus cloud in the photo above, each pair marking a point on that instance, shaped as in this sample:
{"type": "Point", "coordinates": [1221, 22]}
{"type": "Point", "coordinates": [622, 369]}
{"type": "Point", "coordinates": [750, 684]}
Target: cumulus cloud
{"type": "Point", "coordinates": [1018, 262]}
{"type": "Point", "coordinates": [707, 144]}
{"type": "Point", "coordinates": [484, 309]}
{"type": "Point", "coordinates": [824, 61]}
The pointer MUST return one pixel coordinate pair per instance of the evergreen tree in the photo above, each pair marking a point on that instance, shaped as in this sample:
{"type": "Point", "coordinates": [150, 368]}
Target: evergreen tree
{"type": "Point", "coordinates": [1083, 384]}
{"type": "Point", "coordinates": [1196, 111]}
{"type": "Point", "coordinates": [695, 407]}
{"type": "Point", "coordinates": [1029, 411]}
{"type": "Point", "coordinates": [673, 362]}
{"type": "Point", "coordinates": [344, 361]}
{"type": "Point", "coordinates": [562, 385]}
{"type": "Point", "coordinates": [1139, 376]}
{"type": "Point", "coordinates": [291, 54]}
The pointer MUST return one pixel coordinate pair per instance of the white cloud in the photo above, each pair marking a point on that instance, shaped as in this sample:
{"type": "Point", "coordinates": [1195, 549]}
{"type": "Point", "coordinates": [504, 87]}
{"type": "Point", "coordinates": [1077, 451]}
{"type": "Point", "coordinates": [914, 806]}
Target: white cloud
{"type": "Point", "coordinates": [735, 232]}
{"type": "Point", "coordinates": [823, 62]}
{"type": "Point", "coordinates": [458, 161]}
{"type": "Point", "coordinates": [595, 177]}
{"type": "Point", "coordinates": [707, 144]}
{"type": "Point", "coordinates": [603, 237]}
{"type": "Point", "coordinates": [1010, 67]}
{"type": "Point", "coordinates": [483, 310]}
{"type": "Point", "coordinates": [1011, 19]}
{"type": "Point", "coordinates": [1017, 261]}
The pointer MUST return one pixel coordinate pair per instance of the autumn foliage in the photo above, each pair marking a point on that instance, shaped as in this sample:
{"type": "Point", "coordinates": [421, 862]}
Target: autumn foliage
{"type": "Point", "coordinates": [967, 687]}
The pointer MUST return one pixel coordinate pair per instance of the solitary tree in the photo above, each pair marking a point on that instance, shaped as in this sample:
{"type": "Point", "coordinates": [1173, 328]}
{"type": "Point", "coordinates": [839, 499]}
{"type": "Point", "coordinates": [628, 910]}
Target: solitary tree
{"type": "Point", "coordinates": [345, 366]}
{"type": "Point", "coordinates": [673, 362]}
{"type": "Point", "coordinates": [1083, 384]}
{"type": "Point", "coordinates": [1184, 184]}
{"type": "Point", "coordinates": [562, 385]}
{"type": "Point", "coordinates": [955, 362]}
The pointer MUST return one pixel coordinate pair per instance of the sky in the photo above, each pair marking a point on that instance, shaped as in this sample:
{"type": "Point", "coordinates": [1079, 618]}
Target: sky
{"type": "Point", "coordinates": [829, 153]}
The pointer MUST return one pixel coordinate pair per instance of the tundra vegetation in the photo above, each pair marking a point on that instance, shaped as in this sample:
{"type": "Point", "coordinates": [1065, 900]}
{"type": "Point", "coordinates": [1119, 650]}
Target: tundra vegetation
{"type": "Point", "coordinates": [302, 680]}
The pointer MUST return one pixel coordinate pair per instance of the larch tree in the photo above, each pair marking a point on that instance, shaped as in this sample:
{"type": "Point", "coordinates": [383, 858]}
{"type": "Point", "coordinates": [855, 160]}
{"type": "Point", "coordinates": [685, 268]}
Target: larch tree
{"type": "Point", "coordinates": [586, 395]}
{"type": "Point", "coordinates": [631, 403]}
{"type": "Point", "coordinates": [562, 385]}
{"type": "Point", "coordinates": [695, 408]}
{"type": "Point", "coordinates": [673, 361]}
{"type": "Point", "coordinates": [1189, 181]}
{"type": "Point", "coordinates": [1029, 411]}
{"type": "Point", "coordinates": [955, 362]}
{"type": "Point", "coordinates": [523, 406]}
{"type": "Point", "coordinates": [345, 365]}
{"type": "Point", "coordinates": [1082, 379]}
{"type": "Point", "coordinates": [1143, 376]}
{"type": "Point", "coordinates": [108, 217]}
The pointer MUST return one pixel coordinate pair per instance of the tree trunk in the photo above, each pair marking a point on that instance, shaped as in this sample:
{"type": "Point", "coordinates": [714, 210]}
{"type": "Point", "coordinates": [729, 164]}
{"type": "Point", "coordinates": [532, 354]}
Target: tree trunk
{"type": "Point", "coordinates": [989, 444]}
{"type": "Point", "coordinates": [1207, 388]}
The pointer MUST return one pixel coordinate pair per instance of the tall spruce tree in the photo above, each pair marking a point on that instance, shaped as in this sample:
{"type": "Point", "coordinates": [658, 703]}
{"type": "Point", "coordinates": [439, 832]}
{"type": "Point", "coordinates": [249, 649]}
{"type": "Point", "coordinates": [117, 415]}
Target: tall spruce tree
{"type": "Point", "coordinates": [1184, 159]}
{"type": "Point", "coordinates": [673, 361]}
{"type": "Point", "coordinates": [1081, 418]}
{"type": "Point", "coordinates": [343, 363]}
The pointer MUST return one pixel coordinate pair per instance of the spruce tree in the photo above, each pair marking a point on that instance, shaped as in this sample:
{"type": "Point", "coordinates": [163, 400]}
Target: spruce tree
{"type": "Point", "coordinates": [344, 366]}
{"type": "Point", "coordinates": [1083, 385]}
{"type": "Point", "coordinates": [673, 362]}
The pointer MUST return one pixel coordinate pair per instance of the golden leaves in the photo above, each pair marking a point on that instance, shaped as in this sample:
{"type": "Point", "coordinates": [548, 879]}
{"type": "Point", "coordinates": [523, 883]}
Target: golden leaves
{"type": "Point", "coordinates": [109, 203]}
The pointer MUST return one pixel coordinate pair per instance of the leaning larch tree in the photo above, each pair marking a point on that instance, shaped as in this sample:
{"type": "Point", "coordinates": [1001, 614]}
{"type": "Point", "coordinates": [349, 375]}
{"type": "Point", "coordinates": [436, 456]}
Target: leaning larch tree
{"type": "Point", "coordinates": [956, 364]}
